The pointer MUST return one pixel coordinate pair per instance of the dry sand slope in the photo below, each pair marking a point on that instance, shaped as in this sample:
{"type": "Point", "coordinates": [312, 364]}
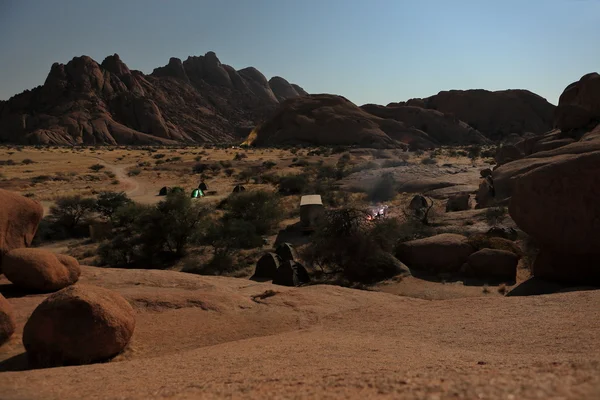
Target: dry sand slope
{"type": "Point", "coordinates": [206, 337]}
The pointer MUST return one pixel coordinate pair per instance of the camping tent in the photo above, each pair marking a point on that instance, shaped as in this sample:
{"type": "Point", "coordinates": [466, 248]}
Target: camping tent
{"type": "Point", "coordinates": [238, 189]}
{"type": "Point", "coordinates": [197, 193]}
{"type": "Point", "coordinates": [202, 186]}
{"type": "Point", "coordinates": [164, 191]}
{"type": "Point", "coordinates": [286, 252]}
{"type": "Point", "coordinates": [266, 267]}
{"type": "Point", "coordinates": [291, 273]}
{"type": "Point", "coordinates": [311, 209]}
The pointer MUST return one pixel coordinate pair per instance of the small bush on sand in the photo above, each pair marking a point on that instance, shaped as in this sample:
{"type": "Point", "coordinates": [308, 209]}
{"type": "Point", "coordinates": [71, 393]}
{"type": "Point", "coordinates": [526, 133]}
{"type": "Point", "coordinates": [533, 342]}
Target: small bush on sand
{"type": "Point", "coordinates": [134, 172]}
{"type": "Point", "coordinates": [27, 161]}
{"type": "Point", "coordinates": [96, 167]}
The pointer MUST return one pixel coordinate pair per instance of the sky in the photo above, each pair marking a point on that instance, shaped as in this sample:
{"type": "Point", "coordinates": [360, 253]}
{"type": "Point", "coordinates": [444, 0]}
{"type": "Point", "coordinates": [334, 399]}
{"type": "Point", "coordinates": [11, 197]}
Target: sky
{"type": "Point", "coordinates": [376, 51]}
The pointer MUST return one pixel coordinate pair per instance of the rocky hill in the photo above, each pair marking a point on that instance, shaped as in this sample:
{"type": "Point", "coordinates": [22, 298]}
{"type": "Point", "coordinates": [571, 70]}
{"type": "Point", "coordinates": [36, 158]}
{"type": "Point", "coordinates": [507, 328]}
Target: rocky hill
{"type": "Point", "coordinates": [495, 114]}
{"type": "Point", "coordinates": [194, 101]}
{"type": "Point", "coordinates": [326, 119]}
{"type": "Point", "coordinates": [444, 128]}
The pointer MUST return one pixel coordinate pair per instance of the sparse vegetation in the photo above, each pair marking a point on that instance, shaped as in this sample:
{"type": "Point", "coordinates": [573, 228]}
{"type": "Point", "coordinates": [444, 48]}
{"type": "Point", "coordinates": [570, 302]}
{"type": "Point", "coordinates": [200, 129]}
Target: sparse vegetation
{"type": "Point", "coordinates": [96, 167]}
{"type": "Point", "coordinates": [349, 245]}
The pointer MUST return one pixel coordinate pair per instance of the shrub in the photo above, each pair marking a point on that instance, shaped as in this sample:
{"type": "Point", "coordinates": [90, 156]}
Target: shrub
{"type": "Point", "coordinates": [158, 156]}
{"type": "Point", "coordinates": [7, 162]}
{"type": "Point", "coordinates": [40, 179]}
{"type": "Point", "coordinates": [134, 172]}
{"type": "Point", "coordinates": [97, 167]}
{"type": "Point", "coordinates": [495, 215]}
{"type": "Point", "coordinates": [428, 161]}
{"type": "Point", "coordinates": [107, 203]}
{"type": "Point", "coordinates": [229, 171]}
{"type": "Point", "coordinates": [384, 189]}
{"type": "Point", "coordinates": [27, 161]}
{"type": "Point", "coordinates": [260, 208]}
{"type": "Point", "coordinates": [293, 184]}
{"type": "Point", "coordinates": [68, 213]}
{"type": "Point", "coordinates": [199, 168]}
{"type": "Point", "coordinates": [240, 156]}
{"type": "Point", "coordinates": [348, 244]}
{"type": "Point", "coordinates": [474, 152]}
{"type": "Point", "coordinates": [268, 164]}
{"type": "Point", "coordinates": [226, 164]}
{"type": "Point", "coordinates": [154, 234]}
{"type": "Point", "coordinates": [393, 163]}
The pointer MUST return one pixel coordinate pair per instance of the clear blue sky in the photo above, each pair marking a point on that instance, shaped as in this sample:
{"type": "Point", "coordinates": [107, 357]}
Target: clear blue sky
{"type": "Point", "coordinates": [374, 51]}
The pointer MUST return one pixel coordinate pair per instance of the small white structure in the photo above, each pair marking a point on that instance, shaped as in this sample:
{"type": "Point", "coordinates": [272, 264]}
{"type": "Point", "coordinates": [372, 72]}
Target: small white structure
{"type": "Point", "coordinates": [311, 209]}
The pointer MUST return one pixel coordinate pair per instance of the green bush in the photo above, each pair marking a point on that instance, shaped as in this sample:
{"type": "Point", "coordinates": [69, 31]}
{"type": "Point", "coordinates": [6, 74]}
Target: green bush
{"type": "Point", "coordinates": [293, 184]}
{"type": "Point", "coordinates": [260, 208]}
{"type": "Point", "coordinates": [107, 203]}
{"type": "Point", "coordinates": [134, 172]}
{"type": "Point", "coordinates": [347, 243]}
{"type": "Point", "coordinates": [69, 213]}
{"type": "Point", "coordinates": [96, 167]}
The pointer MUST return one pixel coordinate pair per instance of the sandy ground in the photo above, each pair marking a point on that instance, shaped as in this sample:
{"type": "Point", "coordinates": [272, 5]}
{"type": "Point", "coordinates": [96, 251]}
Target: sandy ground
{"type": "Point", "coordinates": [205, 337]}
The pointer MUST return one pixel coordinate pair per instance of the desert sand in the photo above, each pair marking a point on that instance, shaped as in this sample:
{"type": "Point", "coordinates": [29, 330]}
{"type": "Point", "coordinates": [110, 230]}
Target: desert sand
{"type": "Point", "coordinates": [211, 337]}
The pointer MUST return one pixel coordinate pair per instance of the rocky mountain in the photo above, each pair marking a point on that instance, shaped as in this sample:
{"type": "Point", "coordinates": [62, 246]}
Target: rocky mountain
{"type": "Point", "coordinates": [326, 119]}
{"type": "Point", "coordinates": [194, 101]}
{"type": "Point", "coordinates": [494, 114]}
{"type": "Point", "coordinates": [443, 128]}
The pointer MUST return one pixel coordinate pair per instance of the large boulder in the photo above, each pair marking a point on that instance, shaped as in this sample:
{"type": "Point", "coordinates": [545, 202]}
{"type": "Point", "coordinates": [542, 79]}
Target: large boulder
{"type": "Point", "coordinates": [567, 268]}
{"type": "Point", "coordinates": [508, 153]}
{"type": "Point", "coordinates": [579, 104]}
{"type": "Point", "coordinates": [557, 204]}
{"type": "Point", "coordinates": [459, 202]}
{"type": "Point", "coordinates": [40, 270]}
{"type": "Point", "coordinates": [485, 196]}
{"type": "Point", "coordinates": [493, 264]}
{"type": "Point", "coordinates": [80, 324]}
{"type": "Point", "coordinates": [19, 220]}
{"type": "Point", "coordinates": [7, 320]}
{"type": "Point", "coordinates": [440, 253]}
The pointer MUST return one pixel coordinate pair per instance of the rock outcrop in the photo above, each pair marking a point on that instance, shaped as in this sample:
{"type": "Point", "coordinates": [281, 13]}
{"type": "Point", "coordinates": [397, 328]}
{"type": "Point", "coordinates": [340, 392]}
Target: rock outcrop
{"type": "Point", "coordinates": [333, 120]}
{"type": "Point", "coordinates": [19, 220]}
{"type": "Point", "coordinates": [40, 270]}
{"type": "Point", "coordinates": [493, 264]}
{"type": "Point", "coordinates": [80, 324]}
{"type": "Point", "coordinates": [84, 102]}
{"type": "Point", "coordinates": [7, 320]}
{"type": "Point", "coordinates": [494, 114]}
{"type": "Point", "coordinates": [459, 202]}
{"type": "Point", "coordinates": [579, 105]}
{"type": "Point", "coordinates": [442, 253]}
{"type": "Point", "coordinates": [445, 129]}
{"type": "Point", "coordinates": [553, 191]}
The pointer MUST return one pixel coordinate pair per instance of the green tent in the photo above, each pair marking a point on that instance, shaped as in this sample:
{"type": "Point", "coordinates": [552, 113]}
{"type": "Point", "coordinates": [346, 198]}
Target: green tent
{"type": "Point", "coordinates": [197, 193]}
